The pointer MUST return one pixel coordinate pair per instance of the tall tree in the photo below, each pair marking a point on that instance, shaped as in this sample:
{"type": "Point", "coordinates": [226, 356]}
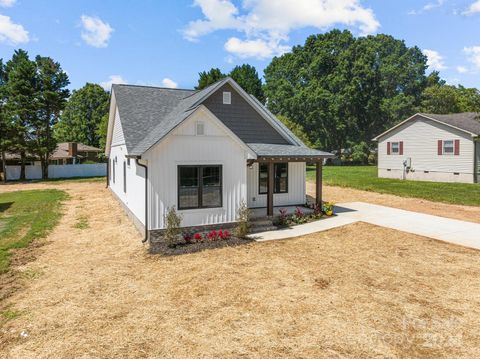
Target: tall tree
{"type": "Point", "coordinates": [206, 78]}
{"type": "Point", "coordinates": [21, 106]}
{"type": "Point", "coordinates": [445, 99]}
{"type": "Point", "coordinates": [83, 115]}
{"type": "Point", "coordinates": [342, 89]}
{"type": "Point", "coordinates": [51, 98]}
{"type": "Point", "coordinates": [4, 123]}
{"type": "Point", "coordinates": [247, 77]}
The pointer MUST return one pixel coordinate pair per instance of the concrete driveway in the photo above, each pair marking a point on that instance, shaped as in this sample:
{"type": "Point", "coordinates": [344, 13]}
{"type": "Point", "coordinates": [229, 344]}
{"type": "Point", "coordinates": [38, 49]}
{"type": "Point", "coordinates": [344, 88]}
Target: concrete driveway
{"type": "Point", "coordinates": [441, 228]}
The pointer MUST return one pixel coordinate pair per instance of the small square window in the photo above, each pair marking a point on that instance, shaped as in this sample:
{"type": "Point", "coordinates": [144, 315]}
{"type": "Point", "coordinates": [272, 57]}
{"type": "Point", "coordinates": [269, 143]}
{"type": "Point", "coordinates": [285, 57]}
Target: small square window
{"type": "Point", "coordinates": [395, 148]}
{"type": "Point", "coordinates": [448, 147]}
{"type": "Point", "coordinates": [227, 98]}
{"type": "Point", "coordinates": [200, 129]}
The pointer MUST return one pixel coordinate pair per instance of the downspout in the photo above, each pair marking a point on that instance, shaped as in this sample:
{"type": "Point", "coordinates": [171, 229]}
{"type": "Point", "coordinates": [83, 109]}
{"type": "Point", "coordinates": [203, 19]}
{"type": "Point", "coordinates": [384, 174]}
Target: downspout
{"type": "Point", "coordinates": [146, 237]}
{"type": "Point", "coordinates": [108, 172]}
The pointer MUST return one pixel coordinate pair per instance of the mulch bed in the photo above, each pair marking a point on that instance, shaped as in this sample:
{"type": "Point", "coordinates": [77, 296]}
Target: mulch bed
{"type": "Point", "coordinates": [160, 247]}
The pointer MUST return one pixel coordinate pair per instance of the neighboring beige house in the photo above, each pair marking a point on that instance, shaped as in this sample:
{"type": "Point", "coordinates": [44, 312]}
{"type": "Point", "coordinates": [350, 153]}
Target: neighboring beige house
{"type": "Point", "coordinates": [66, 153]}
{"type": "Point", "coordinates": [431, 147]}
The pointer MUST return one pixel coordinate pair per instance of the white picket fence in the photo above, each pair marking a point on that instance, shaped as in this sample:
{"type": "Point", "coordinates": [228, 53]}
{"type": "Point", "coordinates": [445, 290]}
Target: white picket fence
{"type": "Point", "coordinates": [59, 171]}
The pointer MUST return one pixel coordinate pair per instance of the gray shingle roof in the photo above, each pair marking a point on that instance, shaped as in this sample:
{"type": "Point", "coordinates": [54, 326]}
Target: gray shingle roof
{"type": "Point", "coordinates": [271, 150]}
{"type": "Point", "coordinates": [143, 108]}
{"type": "Point", "coordinates": [147, 114]}
{"type": "Point", "coordinates": [467, 121]}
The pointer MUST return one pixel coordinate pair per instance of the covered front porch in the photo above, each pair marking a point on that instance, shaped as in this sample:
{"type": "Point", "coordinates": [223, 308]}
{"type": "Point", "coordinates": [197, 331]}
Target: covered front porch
{"type": "Point", "coordinates": [272, 190]}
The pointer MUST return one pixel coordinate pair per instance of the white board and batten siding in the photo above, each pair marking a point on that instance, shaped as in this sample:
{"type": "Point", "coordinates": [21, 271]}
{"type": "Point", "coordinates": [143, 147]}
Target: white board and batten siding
{"type": "Point", "coordinates": [420, 143]}
{"type": "Point", "coordinates": [183, 147]}
{"type": "Point", "coordinates": [296, 187]}
{"type": "Point", "coordinates": [134, 196]}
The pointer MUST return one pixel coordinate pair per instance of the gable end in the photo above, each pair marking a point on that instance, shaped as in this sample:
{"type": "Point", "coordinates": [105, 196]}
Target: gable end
{"type": "Point", "coordinates": [242, 119]}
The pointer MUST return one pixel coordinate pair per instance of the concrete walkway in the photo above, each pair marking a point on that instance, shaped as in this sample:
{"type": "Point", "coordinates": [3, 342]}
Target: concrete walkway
{"type": "Point", "coordinates": [441, 228]}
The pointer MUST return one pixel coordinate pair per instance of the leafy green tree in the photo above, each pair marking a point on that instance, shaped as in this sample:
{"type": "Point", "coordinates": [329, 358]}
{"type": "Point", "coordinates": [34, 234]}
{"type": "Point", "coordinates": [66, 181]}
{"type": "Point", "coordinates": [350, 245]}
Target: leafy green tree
{"type": "Point", "coordinates": [247, 77]}
{"type": "Point", "coordinates": [21, 106]}
{"type": "Point", "coordinates": [51, 98]}
{"type": "Point", "coordinates": [206, 78]}
{"type": "Point", "coordinates": [83, 116]}
{"type": "Point", "coordinates": [445, 99]}
{"type": "Point", "coordinates": [343, 89]}
{"type": "Point", "coordinates": [297, 130]}
{"type": "Point", "coordinates": [102, 130]}
{"type": "Point", "coordinates": [440, 99]}
{"type": "Point", "coordinates": [468, 99]}
{"type": "Point", "coordinates": [4, 123]}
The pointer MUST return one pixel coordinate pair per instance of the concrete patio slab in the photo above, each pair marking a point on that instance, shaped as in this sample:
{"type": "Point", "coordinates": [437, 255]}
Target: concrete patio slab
{"type": "Point", "coordinates": [441, 228]}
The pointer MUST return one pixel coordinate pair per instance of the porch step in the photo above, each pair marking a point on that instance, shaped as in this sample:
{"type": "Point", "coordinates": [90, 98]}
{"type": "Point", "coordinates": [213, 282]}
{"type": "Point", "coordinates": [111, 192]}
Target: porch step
{"type": "Point", "coordinates": [261, 224]}
{"type": "Point", "coordinates": [262, 229]}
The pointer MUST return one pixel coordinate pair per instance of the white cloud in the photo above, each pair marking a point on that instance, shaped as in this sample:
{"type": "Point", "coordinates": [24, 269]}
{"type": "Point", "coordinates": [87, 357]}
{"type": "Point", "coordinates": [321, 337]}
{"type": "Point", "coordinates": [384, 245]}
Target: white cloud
{"type": "Point", "coordinates": [266, 24]}
{"type": "Point", "coordinates": [258, 48]}
{"type": "Point", "coordinates": [113, 79]}
{"type": "Point", "coordinates": [7, 3]}
{"type": "Point", "coordinates": [166, 82]}
{"type": "Point", "coordinates": [434, 60]}
{"type": "Point", "coordinates": [462, 69]}
{"type": "Point", "coordinates": [12, 33]}
{"type": "Point", "coordinates": [427, 7]}
{"type": "Point", "coordinates": [473, 55]}
{"type": "Point", "coordinates": [95, 32]}
{"type": "Point", "coordinates": [473, 8]}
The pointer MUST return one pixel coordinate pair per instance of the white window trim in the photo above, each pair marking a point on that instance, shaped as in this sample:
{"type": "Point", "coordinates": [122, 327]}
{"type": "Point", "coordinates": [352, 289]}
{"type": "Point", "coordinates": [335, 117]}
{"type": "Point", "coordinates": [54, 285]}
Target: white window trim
{"type": "Point", "coordinates": [227, 98]}
{"type": "Point", "coordinates": [398, 148]}
{"type": "Point", "coordinates": [453, 148]}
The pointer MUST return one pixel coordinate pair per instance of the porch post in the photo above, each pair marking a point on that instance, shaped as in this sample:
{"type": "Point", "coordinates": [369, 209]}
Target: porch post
{"type": "Point", "coordinates": [318, 182]}
{"type": "Point", "coordinates": [270, 189]}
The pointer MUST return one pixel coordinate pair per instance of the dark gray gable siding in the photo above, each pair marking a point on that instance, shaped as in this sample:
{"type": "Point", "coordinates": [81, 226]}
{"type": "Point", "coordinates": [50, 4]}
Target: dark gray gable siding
{"type": "Point", "coordinates": [242, 119]}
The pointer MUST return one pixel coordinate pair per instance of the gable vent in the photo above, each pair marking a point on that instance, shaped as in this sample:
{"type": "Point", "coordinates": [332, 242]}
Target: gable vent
{"type": "Point", "coordinates": [200, 129]}
{"type": "Point", "coordinates": [227, 98]}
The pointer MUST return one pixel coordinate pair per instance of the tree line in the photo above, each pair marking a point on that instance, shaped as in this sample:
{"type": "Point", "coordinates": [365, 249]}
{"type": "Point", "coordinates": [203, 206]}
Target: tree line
{"type": "Point", "coordinates": [335, 92]}
{"type": "Point", "coordinates": [37, 110]}
{"type": "Point", "coordinates": [338, 91]}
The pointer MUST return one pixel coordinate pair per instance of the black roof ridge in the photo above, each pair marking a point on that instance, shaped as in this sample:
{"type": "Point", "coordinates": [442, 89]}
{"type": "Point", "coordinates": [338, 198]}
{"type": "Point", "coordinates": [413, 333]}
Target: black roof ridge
{"type": "Point", "coordinates": [157, 87]}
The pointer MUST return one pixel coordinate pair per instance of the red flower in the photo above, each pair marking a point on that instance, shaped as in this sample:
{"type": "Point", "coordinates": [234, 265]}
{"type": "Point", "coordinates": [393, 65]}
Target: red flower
{"type": "Point", "coordinates": [197, 237]}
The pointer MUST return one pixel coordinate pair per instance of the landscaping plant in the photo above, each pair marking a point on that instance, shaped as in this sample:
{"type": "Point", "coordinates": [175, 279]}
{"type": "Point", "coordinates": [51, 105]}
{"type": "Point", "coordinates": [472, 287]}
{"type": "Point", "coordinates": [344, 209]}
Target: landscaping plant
{"type": "Point", "coordinates": [328, 208]}
{"type": "Point", "coordinates": [172, 226]}
{"type": "Point", "coordinates": [243, 216]}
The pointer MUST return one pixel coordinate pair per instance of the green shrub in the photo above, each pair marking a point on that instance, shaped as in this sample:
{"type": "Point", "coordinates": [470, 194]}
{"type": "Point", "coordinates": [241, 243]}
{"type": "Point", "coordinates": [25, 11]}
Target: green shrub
{"type": "Point", "coordinates": [243, 217]}
{"type": "Point", "coordinates": [172, 226]}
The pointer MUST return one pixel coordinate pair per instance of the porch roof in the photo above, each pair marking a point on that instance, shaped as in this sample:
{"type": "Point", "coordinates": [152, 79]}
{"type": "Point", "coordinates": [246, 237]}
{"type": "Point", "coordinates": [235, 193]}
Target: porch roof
{"type": "Point", "coordinates": [272, 150]}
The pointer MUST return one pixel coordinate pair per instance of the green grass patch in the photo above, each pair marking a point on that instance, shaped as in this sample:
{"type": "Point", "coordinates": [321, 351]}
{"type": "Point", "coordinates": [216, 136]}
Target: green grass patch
{"type": "Point", "coordinates": [82, 223]}
{"type": "Point", "coordinates": [10, 314]}
{"type": "Point", "coordinates": [26, 216]}
{"type": "Point", "coordinates": [365, 178]}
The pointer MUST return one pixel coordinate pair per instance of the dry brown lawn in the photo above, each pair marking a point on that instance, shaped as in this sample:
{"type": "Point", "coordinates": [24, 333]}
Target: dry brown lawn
{"type": "Point", "coordinates": [352, 292]}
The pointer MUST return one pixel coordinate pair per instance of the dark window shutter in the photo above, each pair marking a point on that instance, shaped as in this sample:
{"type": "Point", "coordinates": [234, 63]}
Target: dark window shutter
{"type": "Point", "coordinates": [457, 147]}
{"type": "Point", "coordinates": [388, 148]}
{"type": "Point", "coordinates": [401, 147]}
{"type": "Point", "coordinates": [440, 147]}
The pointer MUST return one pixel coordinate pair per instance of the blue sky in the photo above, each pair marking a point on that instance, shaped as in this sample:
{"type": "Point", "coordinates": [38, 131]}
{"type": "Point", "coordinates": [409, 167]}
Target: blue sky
{"type": "Point", "coordinates": [168, 42]}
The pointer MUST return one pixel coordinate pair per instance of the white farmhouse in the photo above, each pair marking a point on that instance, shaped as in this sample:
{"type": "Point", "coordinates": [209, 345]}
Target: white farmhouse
{"type": "Point", "coordinates": [205, 152]}
{"type": "Point", "coordinates": [430, 147]}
